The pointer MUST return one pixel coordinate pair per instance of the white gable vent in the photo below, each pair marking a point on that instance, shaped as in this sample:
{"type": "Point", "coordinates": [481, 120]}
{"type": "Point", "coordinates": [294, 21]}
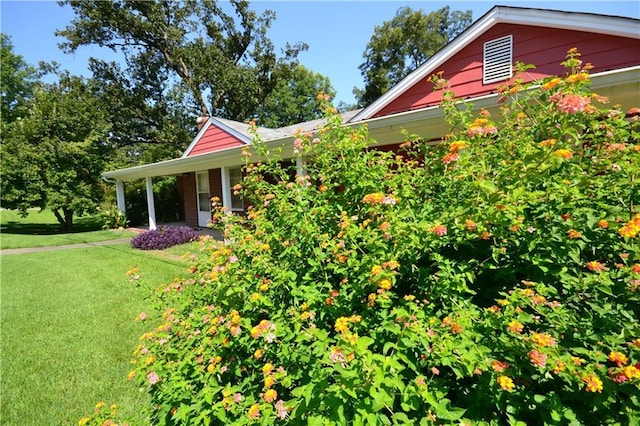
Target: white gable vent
{"type": "Point", "coordinates": [497, 59]}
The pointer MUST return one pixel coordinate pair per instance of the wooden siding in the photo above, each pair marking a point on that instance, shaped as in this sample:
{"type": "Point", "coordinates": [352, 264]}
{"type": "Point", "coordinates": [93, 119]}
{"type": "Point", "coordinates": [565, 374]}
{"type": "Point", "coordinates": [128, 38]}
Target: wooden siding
{"type": "Point", "coordinates": [214, 139]}
{"type": "Point", "coordinates": [543, 47]}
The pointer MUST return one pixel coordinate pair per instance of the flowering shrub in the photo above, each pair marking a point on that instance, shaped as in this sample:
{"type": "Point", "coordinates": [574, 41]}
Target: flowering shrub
{"type": "Point", "coordinates": [164, 237]}
{"type": "Point", "coordinates": [493, 278]}
{"type": "Point", "coordinates": [112, 217]}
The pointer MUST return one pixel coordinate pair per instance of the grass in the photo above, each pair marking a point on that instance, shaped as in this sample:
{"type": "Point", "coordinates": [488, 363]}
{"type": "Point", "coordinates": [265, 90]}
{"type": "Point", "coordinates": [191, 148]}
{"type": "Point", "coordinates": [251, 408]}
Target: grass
{"type": "Point", "coordinates": [68, 330]}
{"type": "Point", "coordinates": [40, 229]}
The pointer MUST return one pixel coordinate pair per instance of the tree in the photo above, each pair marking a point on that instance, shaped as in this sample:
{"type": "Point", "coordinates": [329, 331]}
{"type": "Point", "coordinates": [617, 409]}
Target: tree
{"type": "Point", "coordinates": [182, 59]}
{"type": "Point", "coordinates": [402, 44]}
{"type": "Point", "coordinates": [17, 81]}
{"type": "Point", "coordinates": [294, 100]}
{"type": "Point", "coordinates": [53, 156]}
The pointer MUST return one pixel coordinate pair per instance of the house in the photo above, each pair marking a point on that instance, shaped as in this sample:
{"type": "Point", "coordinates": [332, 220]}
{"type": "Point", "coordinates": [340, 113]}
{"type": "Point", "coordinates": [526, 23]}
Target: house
{"type": "Point", "coordinates": [476, 63]}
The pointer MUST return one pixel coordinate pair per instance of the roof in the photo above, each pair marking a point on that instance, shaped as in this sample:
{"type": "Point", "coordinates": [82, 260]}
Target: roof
{"type": "Point", "coordinates": [245, 133]}
{"type": "Point", "coordinates": [625, 84]}
{"type": "Point", "coordinates": [589, 22]}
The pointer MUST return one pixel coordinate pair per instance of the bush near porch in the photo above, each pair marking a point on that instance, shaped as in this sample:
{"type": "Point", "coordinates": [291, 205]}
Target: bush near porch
{"type": "Point", "coordinates": [491, 279]}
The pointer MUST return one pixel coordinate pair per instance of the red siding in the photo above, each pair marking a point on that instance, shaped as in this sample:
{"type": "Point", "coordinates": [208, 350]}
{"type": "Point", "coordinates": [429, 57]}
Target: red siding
{"type": "Point", "coordinates": [214, 139]}
{"type": "Point", "coordinates": [543, 47]}
{"type": "Point", "coordinates": [190, 199]}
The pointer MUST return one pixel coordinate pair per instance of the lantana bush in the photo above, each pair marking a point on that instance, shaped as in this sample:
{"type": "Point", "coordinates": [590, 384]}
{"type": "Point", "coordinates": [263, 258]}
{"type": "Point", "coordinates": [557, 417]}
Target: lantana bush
{"type": "Point", "coordinates": [492, 278]}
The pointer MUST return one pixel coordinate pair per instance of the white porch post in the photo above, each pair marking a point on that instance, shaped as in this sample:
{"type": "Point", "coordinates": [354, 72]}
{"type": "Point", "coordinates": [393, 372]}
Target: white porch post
{"type": "Point", "coordinates": [226, 188]}
{"type": "Point", "coordinates": [120, 196]}
{"type": "Point", "coordinates": [300, 167]}
{"type": "Point", "coordinates": [150, 204]}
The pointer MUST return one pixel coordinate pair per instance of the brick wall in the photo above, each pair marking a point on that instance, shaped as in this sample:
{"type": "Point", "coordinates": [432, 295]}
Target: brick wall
{"type": "Point", "coordinates": [190, 199]}
{"type": "Point", "coordinates": [215, 184]}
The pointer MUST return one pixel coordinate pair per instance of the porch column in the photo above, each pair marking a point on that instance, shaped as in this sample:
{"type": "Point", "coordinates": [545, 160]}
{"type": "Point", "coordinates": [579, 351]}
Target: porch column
{"type": "Point", "coordinates": [120, 196]}
{"type": "Point", "coordinates": [151, 209]}
{"type": "Point", "coordinates": [300, 167]}
{"type": "Point", "coordinates": [226, 188]}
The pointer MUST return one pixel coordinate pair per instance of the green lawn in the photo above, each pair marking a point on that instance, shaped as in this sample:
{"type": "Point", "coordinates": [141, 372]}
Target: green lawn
{"type": "Point", "coordinates": [68, 331]}
{"type": "Point", "coordinates": [41, 229]}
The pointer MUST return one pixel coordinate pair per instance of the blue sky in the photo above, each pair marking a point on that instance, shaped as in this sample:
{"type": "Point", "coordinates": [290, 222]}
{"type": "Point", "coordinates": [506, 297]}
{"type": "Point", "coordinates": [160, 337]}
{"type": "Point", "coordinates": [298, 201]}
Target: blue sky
{"type": "Point", "coordinates": [337, 32]}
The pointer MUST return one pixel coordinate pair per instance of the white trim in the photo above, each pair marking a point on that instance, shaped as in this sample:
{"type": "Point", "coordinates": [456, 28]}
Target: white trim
{"type": "Point", "coordinates": [613, 25]}
{"type": "Point", "coordinates": [151, 209]}
{"type": "Point", "coordinates": [226, 188]}
{"type": "Point", "coordinates": [213, 121]}
{"type": "Point", "coordinates": [122, 206]}
{"type": "Point", "coordinates": [300, 170]}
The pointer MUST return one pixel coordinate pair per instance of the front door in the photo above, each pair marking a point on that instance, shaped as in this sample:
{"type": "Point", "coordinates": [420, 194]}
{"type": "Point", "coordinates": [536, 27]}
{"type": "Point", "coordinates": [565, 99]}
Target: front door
{"type": "Point", "coordinates": [204, 201]}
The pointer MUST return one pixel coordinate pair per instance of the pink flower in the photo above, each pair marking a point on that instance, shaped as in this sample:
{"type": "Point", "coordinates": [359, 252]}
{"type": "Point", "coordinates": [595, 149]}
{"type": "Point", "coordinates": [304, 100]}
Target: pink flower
{"type": "Point", "coordinates": [572, 104]}
{"type": "Point", "coordinates": [237, 397]}
{"type": "Point", "coordinates": [152, 377]}
{"type": "Point", "coordinates": [439, 230]}
{"type": "Point", "coordinates": [142, 316]}
{"type": "Point", "coordinates": [538, 358]}
{"type": "Point", "coordinates": [281, 411]}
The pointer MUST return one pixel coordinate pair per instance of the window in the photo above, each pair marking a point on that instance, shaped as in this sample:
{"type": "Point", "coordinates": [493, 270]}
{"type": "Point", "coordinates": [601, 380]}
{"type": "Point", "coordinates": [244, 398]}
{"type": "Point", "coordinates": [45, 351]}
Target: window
{"type": "Point", "coordinates": [204, 204]}
{"type": "Point", "coordinates": [497, 59]}
{"type": "Point", "coordinates": [235, 177]}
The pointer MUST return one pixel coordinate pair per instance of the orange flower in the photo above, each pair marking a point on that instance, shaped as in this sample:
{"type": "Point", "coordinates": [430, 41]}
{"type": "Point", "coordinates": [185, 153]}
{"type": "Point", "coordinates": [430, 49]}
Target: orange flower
{"type": "Point", "coordinates": [499, 366]}
{"type": "Point", "coordinates": [595, 266]}
{"type": "Point", "coordinates": [516, 327]}
{"type": "Point", "coordinates": [564, 153]}
{"type": "Point", "coordinates": [470, 225]}
{"type": "Point", "coordinates": [573, 234]}
{"type": "Point", "coordinates": [618, 357]}
{"type": "Point", "coordinates": [603, 224]}
{"type": "Point", "coordinates": [450, 157]}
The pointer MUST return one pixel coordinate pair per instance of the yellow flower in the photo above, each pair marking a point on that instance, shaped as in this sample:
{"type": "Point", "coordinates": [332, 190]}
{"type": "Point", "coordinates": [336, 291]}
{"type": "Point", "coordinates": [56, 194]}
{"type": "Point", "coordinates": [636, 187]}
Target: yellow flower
{"type": "Point", "coordinates": [516, 327]}
{"type": "Point", "coordinates": [258, 354]}
{"type": "Point", "coordinates": [267, 368]}
{"type": "Point", "coordinates": [385, 284]}
{"type": "Point", "coordinates": [83, 421]}
{"type": "Point", "coordinates": [543, 339]}
{"type": "Point", "coordinates": [506, 383]}
{"type": "Point", "coordinates": [270, 395]}
{"type": "Point", "coordinates": [268, 381]}
{"type": "Point", "coordinates": [632, 372]}
{"type": "Point", "coordinates": [592, 383]}
{"type": "Point", "coordinates": [376, 270]}
{"type": "Point", "coordinates": [254, 411]}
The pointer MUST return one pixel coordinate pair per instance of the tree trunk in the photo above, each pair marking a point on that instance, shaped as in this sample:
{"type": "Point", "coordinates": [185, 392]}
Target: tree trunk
{"type": "Point", "coordinates": [66, 221]}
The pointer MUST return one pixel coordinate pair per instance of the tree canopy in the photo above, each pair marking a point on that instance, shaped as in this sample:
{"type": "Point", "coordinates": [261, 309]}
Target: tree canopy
{"type": "Point", "coordinates": [184, 59]}
{"type": "Point", "coordinates": [402, 44]}
{"type": "Point", "coordinates": [53, 155]}
{"type": "Point", "coordinates": [293, 100]}
{"type": "Point", "coordinates": [17, 80]}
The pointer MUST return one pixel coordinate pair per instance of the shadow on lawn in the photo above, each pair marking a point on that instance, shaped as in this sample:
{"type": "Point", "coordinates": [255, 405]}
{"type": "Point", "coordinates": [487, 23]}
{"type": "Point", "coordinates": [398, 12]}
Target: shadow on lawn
{"type": "Point", "coordinates": [81, 224]}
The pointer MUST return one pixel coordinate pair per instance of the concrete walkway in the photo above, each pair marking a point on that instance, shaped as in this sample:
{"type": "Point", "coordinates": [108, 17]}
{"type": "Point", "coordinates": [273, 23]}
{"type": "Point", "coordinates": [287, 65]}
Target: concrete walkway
{"type": "Point", "coordinates": [63, 247]}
